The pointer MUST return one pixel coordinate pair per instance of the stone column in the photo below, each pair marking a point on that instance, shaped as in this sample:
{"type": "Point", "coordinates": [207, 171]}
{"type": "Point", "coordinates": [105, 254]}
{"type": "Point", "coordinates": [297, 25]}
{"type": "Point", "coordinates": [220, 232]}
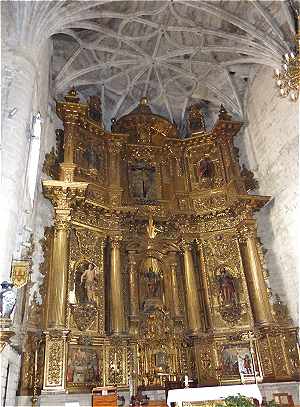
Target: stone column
{"type": "Point", "coordinates": [256, 284]}
{"type": "Point", "coordinates": [175, 290]}
{"type": "Point", "coordinates": [20, 76]}
{"type": "Point", "coordinates": [192, 300]}
{"type": "Point", "coordinates": [117, 303]}
{"type": "Point", "coordinates": [204, 287]}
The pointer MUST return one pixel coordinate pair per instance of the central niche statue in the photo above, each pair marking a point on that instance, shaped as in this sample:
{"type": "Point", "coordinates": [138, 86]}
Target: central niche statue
{"type": "Point", "coordinates": [151, 285]}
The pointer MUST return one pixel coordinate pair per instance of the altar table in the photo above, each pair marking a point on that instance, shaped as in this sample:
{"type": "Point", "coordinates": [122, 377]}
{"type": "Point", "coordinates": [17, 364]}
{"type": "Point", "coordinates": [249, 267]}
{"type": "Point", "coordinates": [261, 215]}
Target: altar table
{"type": "Point", "coordinates": [212, 393]}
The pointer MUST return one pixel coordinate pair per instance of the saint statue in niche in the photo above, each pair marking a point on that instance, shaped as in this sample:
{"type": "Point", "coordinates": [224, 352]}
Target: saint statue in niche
{"type": "Point", "coordinates": [92, 158]}
{"type": "Point", "coordinates": [205, 169]}
{"type": "Point", "coordinates": [152, 289]}
{"type": "Point", "coordinates": [143, 181]}
{"type": "Point", "coordinates": [227, 289]}
{"type": "Point", "coordinates": [86, 282]}
{"type": "Point", "coordinates": [153, 283]}
{"type": "Point", "coordinates": [161, 361]}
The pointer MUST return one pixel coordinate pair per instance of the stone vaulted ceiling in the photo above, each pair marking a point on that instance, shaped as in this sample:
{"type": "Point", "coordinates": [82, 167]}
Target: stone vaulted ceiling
{"type": "Point", "coordinates": [174, 52]}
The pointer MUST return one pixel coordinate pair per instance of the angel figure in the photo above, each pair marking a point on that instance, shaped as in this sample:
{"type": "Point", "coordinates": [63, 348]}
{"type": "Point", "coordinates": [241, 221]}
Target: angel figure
{"type": "Point", "coordinates": [151, 228]}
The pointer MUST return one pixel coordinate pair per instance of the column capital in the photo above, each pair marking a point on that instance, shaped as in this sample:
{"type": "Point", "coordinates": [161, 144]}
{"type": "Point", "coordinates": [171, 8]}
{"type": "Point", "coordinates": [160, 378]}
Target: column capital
{"type": "Point", "coordinates": [186, 245]}
{"type": "Point", "coordinates": [173, 267]}
{"type": "Point", "coordinates": [247, 231]}
{"type": "Point", "coordinates": [115, 148]}
{"type": "Point", "coordinates": [64, 194]}
{"type": "Point", "coordinates": [115, 241]}
{"type": "Point", "coordinates": [199, 241]}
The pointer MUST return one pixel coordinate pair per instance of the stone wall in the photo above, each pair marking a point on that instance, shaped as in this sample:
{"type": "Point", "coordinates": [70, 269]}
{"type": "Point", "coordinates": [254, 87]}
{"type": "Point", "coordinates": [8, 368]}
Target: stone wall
{"type": "Point", "coordinates": [269, 147]}
{"type": "Point", "coordinates": [10, 362]}
{"type": "Point", "coordinates": [25, 91]}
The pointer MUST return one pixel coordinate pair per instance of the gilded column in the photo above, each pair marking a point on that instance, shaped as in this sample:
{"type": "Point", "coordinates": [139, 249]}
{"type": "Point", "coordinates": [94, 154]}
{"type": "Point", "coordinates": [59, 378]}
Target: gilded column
{"type": "Point", "coordinates": [57, 290]}
{"type": "Point", "coordinates": [63, 195]}
{"type": "Point", "coordinates": [204, 287]}
{"type": "Point", "coordinates": [192, 300]}
{"type": "Point", "coordinates": [175, 290]}
{"type": "Point", "coordinates": [69, 112]}
{"type": "Point", "coordinates": [115, 189]}
{"type": "Point", "coordinates": [101, 304]}
{"type": "Point", "coordinates": [256, 284]}
{"type": "Point", "coordinates": [117, 303]}
{"type": "Point", "coordinates": [133, 287]}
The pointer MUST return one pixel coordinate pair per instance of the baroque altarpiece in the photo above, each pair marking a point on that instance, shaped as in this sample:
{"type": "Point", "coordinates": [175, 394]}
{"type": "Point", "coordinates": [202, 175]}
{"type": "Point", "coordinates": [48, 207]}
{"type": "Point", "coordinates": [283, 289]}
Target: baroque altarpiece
{"type": "Point", "coordinates": [153, 268]}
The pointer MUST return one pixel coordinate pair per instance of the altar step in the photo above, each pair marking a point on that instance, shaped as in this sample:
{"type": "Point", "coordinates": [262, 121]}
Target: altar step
{"type": "Point", "coordinates": [157, 403]}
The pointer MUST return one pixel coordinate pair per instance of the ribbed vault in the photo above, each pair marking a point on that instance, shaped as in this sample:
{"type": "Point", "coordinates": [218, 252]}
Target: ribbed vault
{"type": "Point", "coordinates": [174, 52]}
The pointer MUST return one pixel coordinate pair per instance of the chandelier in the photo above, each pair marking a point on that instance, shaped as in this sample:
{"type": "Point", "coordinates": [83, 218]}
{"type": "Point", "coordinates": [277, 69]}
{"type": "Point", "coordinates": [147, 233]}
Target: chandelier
{"type": "Point", "coordinates": [288, 78]}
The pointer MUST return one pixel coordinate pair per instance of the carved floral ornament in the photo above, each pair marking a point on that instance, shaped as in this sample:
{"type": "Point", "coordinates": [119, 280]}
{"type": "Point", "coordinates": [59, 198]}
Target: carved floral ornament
{"type": "Point", "coordinates": [84, 315]}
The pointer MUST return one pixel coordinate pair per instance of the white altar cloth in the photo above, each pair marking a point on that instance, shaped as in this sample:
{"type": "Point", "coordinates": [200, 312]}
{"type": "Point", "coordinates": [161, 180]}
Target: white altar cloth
{"type": "Point", "coordinates": [212, 393]}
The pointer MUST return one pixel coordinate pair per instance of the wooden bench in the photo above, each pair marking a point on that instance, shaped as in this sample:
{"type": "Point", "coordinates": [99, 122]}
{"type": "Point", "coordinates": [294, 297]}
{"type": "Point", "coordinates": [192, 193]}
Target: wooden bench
{"type": "Point", "coordinates": [109, 400]}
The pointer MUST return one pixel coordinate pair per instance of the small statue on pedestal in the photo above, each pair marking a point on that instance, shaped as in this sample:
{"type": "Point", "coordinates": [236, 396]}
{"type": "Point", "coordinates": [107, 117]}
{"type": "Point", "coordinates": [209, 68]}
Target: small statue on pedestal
{"type": "Point", "coordinates": [7, 299]}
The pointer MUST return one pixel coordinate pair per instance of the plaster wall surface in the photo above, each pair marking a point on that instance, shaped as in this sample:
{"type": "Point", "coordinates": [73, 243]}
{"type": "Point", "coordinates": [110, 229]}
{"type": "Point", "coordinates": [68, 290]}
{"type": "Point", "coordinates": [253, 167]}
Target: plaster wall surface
{"type": "Point", "coordinates": [269, 146]}
{"type": "Point", "coordinates": [26, 90]}
{"type": "Point", "coordinates": [10, 362]}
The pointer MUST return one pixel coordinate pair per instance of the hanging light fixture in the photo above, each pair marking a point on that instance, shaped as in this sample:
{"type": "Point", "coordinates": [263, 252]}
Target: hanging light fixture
{"type": "Point", "coordinates": [288, 78]}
